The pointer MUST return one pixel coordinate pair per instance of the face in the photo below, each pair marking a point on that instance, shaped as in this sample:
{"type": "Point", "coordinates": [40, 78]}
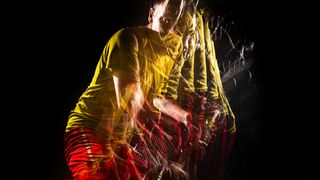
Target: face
{"type": "Point", "coordinates": [166, 15]}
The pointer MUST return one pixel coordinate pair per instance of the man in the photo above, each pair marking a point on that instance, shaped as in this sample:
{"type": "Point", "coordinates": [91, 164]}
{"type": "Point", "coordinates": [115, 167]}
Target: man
{"type": "Point", "coordinates": [136, 78]}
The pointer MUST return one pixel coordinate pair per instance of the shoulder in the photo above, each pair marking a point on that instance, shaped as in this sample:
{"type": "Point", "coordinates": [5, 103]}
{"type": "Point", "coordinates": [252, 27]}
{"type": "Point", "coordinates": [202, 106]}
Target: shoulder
{"type": "Point", "coordinates": [125, 37]}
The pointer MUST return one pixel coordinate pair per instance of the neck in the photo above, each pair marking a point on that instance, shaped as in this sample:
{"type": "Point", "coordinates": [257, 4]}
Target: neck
{"type": "Point", "coordinates": [156, 27]}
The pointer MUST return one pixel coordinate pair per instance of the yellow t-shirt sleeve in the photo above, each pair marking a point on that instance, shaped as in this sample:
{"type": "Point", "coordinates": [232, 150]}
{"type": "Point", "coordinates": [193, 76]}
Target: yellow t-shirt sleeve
{"type": "Point", "coordinates": [121, 53]}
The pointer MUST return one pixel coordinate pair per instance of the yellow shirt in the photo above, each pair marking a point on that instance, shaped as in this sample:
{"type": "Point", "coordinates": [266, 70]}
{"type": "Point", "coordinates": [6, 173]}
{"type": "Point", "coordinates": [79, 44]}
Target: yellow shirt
{"type": "Point", "coordinates": [148, 58]}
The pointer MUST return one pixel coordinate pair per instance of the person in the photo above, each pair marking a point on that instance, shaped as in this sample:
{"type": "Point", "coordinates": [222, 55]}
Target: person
{"type": "Point", "coordinates": [114, 132]}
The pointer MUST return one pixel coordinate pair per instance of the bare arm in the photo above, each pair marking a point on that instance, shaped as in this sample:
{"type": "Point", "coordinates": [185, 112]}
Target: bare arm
{"type": "Point", "coordinates": [129, 94]}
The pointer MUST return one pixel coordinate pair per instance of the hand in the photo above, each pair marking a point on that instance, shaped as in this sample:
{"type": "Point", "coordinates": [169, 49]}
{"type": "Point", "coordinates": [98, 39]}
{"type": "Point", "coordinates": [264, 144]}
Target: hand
{"type": "Point", "coordinates": [171, 109]}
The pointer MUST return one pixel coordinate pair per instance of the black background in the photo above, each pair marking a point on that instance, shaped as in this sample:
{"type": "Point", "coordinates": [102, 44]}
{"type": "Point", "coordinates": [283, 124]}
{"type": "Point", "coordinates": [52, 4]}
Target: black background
{"type": "Point", "coordinates": [51, 50]}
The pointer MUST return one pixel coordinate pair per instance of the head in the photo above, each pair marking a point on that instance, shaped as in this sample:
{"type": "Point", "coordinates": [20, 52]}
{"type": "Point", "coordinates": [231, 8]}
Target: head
{"type": "Point", "coordinates": [164, 15]}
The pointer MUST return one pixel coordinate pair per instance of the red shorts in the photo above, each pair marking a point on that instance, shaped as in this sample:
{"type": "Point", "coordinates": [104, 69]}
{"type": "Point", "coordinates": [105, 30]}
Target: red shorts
{"type": "Point", "coordinates": [89, 157]}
